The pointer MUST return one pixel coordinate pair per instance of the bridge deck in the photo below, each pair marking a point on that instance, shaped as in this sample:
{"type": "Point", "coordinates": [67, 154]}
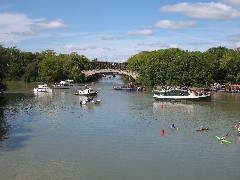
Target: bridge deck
{"type": "Point", "coordinates": [113, 71]}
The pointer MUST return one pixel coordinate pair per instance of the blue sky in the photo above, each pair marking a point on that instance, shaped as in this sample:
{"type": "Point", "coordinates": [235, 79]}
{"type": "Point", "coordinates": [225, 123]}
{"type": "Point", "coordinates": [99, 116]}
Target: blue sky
{"type": "Point", "coordinates": [114, 30]}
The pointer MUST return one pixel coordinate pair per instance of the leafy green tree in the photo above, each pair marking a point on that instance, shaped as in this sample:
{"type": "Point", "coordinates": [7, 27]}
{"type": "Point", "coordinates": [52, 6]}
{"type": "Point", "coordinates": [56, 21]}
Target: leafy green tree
{"type": "Point", "coordinates": [31, 72]}
{"type": "Point", "coordinates": [216, 54]}
{"type": "Point", "coordinates": [230, 63]}
{"type": "Point", "coordinates": [50, 67]}
{"type": "Point", "coordinates": [3, 67]}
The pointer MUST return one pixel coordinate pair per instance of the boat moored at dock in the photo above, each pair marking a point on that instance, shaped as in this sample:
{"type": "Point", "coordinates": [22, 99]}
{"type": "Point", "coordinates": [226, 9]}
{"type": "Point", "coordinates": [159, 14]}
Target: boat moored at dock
{"type": "Point", "coordinates": [181, 95]}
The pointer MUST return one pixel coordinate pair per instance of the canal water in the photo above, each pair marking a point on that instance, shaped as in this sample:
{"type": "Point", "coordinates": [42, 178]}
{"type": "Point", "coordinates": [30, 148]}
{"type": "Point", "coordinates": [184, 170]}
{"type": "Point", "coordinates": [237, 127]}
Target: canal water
{"type": "Point", "coordinates": [50, 136]}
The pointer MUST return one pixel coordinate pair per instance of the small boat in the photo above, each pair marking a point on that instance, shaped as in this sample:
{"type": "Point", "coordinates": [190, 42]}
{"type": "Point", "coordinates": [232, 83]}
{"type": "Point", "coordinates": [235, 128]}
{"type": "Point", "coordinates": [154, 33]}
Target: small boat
{"type": "Point", "coordinates": [126, 88]}
{"type": "Point", "coordinates": [180, 95]}
{"type": "Point", "coordinates": [202, 129]}
{"type": "Point", "coordinates": [42, 88]}
{"type": "Point", "coordinates": [224, 141]}
{"type": "Point", "coordinates": [67, 84]}
{"type": "Point", "coordinates": [90, 101]}
{"type": "Point", "coordinates": [86, 92]}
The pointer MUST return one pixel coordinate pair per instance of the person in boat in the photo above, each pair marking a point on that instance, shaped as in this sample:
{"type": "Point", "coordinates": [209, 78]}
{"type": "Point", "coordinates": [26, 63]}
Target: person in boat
{"type": "Point", "coordinates": [173, 126]}
{"type": "Point", "coordinates": [223, 138]}
{"type": "Point", "coordinates": [203, 128]}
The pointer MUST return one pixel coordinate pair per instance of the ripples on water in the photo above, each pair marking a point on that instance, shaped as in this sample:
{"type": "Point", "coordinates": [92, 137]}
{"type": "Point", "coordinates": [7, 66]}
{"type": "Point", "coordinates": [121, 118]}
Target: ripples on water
{"type": "Point", "coordinates": [50, 136]}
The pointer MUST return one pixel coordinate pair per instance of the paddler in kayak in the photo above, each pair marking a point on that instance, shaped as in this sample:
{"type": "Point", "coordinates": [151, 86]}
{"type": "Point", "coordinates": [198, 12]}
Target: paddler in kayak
{"type": "Point", "coordinates": [223, 138]}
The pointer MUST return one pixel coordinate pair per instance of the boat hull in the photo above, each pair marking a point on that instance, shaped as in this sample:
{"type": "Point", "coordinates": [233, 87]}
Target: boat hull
{"type": "Point", "coordinates": [182, 98]}
{"type": "Point", "coordinates": [128, 89]}
{"type": "Point", "coordinates": [181, 95]}
{"type": "Point", "coordinates": [86, 94]}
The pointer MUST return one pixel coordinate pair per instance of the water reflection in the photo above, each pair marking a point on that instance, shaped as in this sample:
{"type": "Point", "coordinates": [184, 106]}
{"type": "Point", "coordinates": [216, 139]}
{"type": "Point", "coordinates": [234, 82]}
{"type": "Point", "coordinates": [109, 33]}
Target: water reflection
{"type": "Point", "coordinates": [4, 126]}
{"type": "Point", "coordinates": [13, 112]}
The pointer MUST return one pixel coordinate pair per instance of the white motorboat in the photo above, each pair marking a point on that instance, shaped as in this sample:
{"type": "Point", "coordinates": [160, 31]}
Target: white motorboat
{"type": "Point", "coordinates": [181, 95]}
{"type": "Point", "coordinates": [86, 92]}
{"type": "Point", "coordinates": [43, 88]}
{"type": "Point", "coordinates": [90, 101]}
{"type": "Point", "coordinates": [67, 84]}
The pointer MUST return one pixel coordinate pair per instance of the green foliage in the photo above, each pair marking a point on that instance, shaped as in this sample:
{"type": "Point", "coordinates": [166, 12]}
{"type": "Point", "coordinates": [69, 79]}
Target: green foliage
{"type": "Point", "coordinates": [3, 67]}
{"type": "Point", "coordinates": [183, 68]}
{"type": "Point", "coordinates": [160, 67]}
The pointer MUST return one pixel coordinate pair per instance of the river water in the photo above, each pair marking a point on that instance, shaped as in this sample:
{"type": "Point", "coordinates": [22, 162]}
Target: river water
{"type": "Point", "coordinates": [50, 136]}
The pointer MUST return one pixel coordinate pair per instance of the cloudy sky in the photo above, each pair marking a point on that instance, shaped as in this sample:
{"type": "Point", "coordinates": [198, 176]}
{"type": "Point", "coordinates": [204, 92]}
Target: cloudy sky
{"type": "Point", "coordinates": [114, 30]}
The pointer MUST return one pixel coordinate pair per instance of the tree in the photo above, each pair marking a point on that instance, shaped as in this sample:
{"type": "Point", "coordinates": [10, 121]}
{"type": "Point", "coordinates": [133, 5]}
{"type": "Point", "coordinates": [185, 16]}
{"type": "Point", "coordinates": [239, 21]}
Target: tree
{"type": "Point", "coordinates": [50, 67]}
{"type": "Point", "coordinates": [3, 67]}
{"type": "Point", "coordinates": [216, 54]}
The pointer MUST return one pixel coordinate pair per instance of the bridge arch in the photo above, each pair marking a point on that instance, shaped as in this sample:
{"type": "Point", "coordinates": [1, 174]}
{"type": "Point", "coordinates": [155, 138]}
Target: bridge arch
{"type": "Point", "coordinates": [134, 75]}
{"type": "Point", "coordinates": [99, 67]}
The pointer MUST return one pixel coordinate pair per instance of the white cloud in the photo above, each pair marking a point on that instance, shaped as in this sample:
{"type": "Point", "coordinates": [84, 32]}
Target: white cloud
{"type": "Point", "coordinates": [5, 7]}
{"type": "Point", "coordinates": [167, 24]}
{"type": "Point", "coordinates": [72, 47]}
{"type": "Point", "coordinates": [146, 32]}
{"type": "Point", "coordinates": [56, 24]}
{"type": "Point", "coordinates": [204, 10]}
{"type": "Point", "coordinates": [14, 27]}
{"type": "Point", "coordinates": [199, 43]}
{"type": "Point", "coordinates": [234, 37]}
{"type": "Point", "coordinates": [233, 1]}
{"type": "Point", "coordinates": [238, 44]}
{"type": "Point", "coordinates": [155, 44]}
{"type": "Point", "coordinates": [109, 38]}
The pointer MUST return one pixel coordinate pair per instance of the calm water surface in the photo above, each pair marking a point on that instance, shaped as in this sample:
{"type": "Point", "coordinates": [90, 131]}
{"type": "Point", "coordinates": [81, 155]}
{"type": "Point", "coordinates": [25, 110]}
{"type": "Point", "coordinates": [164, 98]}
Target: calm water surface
{"type": "Point", "coordinates": [50, 136]}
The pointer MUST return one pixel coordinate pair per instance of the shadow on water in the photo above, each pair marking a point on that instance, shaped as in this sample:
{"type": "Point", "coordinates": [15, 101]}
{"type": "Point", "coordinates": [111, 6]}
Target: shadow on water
{"type": "Point", "coordinates": [14, 108]}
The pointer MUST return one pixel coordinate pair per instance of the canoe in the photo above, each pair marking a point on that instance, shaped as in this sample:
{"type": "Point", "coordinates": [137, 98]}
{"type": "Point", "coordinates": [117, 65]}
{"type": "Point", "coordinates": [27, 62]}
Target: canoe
{"type": "Point", "coordinates": [224, 141]}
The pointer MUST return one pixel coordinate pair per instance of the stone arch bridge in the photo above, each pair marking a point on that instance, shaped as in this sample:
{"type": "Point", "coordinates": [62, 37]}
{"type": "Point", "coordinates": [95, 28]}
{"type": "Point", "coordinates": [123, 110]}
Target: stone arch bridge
{"type": "Point", "coordinates": [109, 68]}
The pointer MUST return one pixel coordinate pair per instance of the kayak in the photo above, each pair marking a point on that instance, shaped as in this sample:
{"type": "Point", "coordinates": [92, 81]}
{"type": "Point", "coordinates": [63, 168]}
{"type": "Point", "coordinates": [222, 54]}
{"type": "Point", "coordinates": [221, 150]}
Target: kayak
{"type": "Point", "coordinates": [224, 141]}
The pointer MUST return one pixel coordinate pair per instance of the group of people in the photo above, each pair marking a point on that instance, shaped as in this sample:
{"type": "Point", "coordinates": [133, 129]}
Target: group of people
{"type": "Point", "coordinates": [237, 126]}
